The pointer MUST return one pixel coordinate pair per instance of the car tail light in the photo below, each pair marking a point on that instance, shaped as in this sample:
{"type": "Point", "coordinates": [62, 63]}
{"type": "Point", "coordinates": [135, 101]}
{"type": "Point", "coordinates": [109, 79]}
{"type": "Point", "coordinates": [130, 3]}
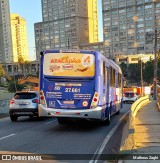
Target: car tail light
{"type": "Point", "coordinates": [95, 100]}
{"type": "Point", "coordinates": [11, 101]}
{"type": "Point", "coordinates": [35, 101]}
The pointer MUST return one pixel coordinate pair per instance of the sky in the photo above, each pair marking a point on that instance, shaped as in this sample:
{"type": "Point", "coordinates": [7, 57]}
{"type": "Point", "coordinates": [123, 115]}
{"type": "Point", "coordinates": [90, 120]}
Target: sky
{"type": "Point", "coordinates": [31, 11]}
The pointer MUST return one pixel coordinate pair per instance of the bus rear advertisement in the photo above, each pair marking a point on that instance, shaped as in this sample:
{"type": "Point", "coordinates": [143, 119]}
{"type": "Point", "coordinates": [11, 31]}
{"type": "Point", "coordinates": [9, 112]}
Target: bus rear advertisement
{"type": "Point", "coordinates": [79, 84]}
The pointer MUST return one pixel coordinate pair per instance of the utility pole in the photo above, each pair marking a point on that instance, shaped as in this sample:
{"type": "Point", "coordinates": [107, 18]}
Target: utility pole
{"type": "Point", "coordinates": [154, 36]}
{"type": "Point", "coordinates": [155, 65]}
{"type": "Point", "coordinates": [142, 78]}
{"type": "Point", "coordinates": [15, 85]}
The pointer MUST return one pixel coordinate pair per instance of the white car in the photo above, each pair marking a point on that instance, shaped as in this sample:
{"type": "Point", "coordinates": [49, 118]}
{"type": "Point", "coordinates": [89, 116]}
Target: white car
{"type": "Point", "coordinates": [130, 96]}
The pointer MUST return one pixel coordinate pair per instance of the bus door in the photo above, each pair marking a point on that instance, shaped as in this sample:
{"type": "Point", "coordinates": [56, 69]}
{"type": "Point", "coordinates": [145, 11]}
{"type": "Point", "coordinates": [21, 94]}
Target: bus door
{"type": "Point", "coordinates": [119, 91]}
{"type": "Point", "coordinates": [105, 89]}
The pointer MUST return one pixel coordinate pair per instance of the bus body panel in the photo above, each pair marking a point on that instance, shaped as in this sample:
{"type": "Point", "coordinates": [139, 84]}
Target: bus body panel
{"type": "Point", "coordinates": [69, 95]}
{"type": "Point", "coordinates": [81, 113]}
{"type": "Point", "coordinates": [73, 96]}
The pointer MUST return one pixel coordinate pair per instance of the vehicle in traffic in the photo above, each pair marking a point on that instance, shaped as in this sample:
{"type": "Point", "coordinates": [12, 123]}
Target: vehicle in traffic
{"type": "Point", "coordinates": [24, 104]}
{"type": "Point", "coordinates": [130, 96]}
{"type": "Point", "coordinates": [79, 84]}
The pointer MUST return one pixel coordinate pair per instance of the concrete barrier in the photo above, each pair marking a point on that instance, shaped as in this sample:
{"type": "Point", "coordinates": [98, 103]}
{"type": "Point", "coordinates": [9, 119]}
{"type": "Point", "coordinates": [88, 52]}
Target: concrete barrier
{"type": "Point", "coordinates": [158, 101]}
{"type": "Point", "coordinates": [138, 104]}
{"type": "Point", "coordinates": [5, 97]}
{"type": "Point", "coordinates": [127, 146]}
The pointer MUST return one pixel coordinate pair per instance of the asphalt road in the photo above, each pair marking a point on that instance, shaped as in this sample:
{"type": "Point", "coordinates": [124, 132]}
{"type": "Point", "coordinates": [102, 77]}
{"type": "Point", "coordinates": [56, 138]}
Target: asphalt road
{"type": "Point", "coordinates": [30, 135]}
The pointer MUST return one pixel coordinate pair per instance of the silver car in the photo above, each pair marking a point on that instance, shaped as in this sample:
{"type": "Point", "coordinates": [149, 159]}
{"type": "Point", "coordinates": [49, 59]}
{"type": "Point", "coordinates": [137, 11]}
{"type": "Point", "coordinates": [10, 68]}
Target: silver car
{"type": "Point", "coordinates": [130, 96]}
{"type": "Point", "coordinates": [24, 104]}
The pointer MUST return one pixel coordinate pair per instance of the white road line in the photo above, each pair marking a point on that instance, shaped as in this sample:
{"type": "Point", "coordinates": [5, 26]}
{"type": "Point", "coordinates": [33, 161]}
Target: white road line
{"type": "Point", "coordinates": [50, 121]}
{"type": "Point", "coordinates": [7, 136]}
{"type": "Point", "coordinates": [102, 146]}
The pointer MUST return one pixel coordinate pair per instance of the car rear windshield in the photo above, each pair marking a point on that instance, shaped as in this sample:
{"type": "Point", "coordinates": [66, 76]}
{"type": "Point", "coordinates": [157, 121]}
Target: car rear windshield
{"type": "Point", "coordinates": [25, 95]}
{"type": "Point", "coordinates": [129, 94]}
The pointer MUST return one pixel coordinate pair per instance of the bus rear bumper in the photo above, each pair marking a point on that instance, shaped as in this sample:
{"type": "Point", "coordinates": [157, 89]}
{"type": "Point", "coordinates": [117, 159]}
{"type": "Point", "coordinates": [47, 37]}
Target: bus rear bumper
{"type": "Point", "coordinates": [95, 113]}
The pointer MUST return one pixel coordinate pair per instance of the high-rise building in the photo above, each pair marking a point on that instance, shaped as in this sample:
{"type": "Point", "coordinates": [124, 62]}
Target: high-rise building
{"type": "Point", "coordinates": [6, 54]}
{"type": "Point", "coordinates": [66, 24]}
{"type": "Point", "coordinates": [126, 24]}
{"type": "Point", "coordinates": [19, 38]}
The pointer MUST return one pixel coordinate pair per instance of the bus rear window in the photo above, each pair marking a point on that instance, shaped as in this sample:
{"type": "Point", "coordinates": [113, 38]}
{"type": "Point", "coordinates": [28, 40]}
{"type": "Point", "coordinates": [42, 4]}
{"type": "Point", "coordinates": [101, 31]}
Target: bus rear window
{"type": "Point", "coordinates": [69, 64]}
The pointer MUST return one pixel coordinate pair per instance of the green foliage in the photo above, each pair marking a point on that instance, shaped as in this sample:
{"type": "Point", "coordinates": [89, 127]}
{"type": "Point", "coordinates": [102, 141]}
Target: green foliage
{"type": "Point", "coordinates": [2, 72]}
{"type": "Point", "coordinates": [124, 68]}
{"type": "Point", "coordinates": [134, 71]}
{"type": "Point", "coordinates": [148, 72]}
{"type": "Point", "coordinates": [12, 87]}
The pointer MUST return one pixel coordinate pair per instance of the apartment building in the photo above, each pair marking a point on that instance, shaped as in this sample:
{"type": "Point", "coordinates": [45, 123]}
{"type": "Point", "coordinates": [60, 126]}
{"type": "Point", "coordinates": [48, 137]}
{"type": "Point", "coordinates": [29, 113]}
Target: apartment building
{"type": "Point", "coordinates": [19, 38]}
{"type": "Point", "coordinates": [126, 24]}
{"type": "Point", "coordinates": [6, 54]}
{"type": "Point", "coordinates": [66, 24]}
{"type": "Point", "coordinates": [133, 59]}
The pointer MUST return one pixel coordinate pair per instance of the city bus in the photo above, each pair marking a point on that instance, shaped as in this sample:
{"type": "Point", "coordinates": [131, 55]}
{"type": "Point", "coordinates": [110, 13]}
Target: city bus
{"type": "Point", "coordinates": [80, 84]}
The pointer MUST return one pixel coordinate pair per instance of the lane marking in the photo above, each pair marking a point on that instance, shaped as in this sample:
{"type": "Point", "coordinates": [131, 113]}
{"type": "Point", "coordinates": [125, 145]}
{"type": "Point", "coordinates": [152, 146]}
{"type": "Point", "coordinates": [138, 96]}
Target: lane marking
{"type": "Point", "coordinates": [7, 136]}
{"type": "Point", "coordinates": [100, 149]}
{"type": "Point", "coordinates": [50, 121]}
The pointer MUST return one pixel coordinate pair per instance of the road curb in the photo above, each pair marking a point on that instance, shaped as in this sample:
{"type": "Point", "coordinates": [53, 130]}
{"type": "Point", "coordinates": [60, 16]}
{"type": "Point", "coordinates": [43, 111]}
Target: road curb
{"type": "Point", "coordinates": [101, 148]}
{"type": "Point", "coordinates": [3, 115]}
{"type": "Point", "coordinates": [158, 106]}
{"type": "Point", "coordinates": [128, 145]}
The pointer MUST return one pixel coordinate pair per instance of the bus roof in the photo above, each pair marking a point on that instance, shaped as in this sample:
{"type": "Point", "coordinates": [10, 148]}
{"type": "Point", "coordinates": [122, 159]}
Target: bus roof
{"type": "Point", "coordinates": [68, 51]}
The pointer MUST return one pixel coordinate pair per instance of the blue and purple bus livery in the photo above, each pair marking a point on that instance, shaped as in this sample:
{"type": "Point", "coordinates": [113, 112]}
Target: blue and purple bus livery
{"type": "Point", "coordinates": [79, 84]}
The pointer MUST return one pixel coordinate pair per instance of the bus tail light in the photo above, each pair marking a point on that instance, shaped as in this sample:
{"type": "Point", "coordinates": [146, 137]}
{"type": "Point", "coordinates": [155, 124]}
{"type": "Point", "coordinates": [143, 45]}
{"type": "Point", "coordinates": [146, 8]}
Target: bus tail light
{"type": "Point", "coordinates": [42, 98]}
{"type": "Point", "coordinates": [95, 100]}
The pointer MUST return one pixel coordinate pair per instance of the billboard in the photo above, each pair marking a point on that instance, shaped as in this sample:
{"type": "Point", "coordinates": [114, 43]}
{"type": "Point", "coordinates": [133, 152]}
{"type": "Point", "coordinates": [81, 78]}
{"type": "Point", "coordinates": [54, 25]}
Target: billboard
{"type": "Point", "coordinates": [69, 64]}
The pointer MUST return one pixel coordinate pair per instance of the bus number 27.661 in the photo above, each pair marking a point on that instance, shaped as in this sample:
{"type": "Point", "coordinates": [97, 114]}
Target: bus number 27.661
{"type": "Point", "coordinates": [76, 90]}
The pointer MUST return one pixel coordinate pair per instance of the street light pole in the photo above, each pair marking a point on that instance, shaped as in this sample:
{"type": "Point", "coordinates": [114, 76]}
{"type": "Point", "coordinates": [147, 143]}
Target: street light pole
{"type": "Point", "coordinates": [155, 66]}
{"type": "Point", "coordinates": [142, 78]}
{"type": "Point", "coordinates": [15, 83]}
{"type": "Point", "coordinates": [154, 35]}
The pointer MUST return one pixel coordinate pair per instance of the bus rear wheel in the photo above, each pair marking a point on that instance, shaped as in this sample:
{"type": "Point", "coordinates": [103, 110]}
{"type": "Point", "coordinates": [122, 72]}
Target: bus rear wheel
{"type": "Point", "coordinates": [118, 112]}
{"type": "Point", "coordinates": [106, 121]}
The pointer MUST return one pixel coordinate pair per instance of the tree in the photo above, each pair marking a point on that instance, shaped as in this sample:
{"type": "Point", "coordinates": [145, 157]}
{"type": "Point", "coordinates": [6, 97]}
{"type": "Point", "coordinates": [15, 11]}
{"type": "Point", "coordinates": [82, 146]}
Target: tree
{"type": "Point", "coordinates": [12, 88]}
{"type": "Point", "coordinates": [2, 72]}
{"type": "Point", "coordinates": [124, 68]}
{"type": "Point", "coordinates": [27, 65]}
{"type": "Point", "coordinates": [148, 72]}
{"type": "Point", "coordinates": [134, 73]}
{"type": "Point", "coordinates": [21, 62]}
